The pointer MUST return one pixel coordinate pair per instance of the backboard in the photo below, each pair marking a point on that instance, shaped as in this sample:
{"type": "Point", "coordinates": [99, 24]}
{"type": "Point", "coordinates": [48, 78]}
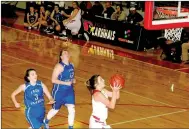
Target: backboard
{"type": "Point", "coordinates": [166, 14]}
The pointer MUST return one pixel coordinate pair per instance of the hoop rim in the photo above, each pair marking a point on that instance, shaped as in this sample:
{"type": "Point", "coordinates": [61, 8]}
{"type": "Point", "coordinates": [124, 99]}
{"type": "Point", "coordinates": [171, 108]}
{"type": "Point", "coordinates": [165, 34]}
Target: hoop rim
{"type": "Point", "coordinates": [170, 10]}
{"type": "Point", "coordinates": [151, 24]}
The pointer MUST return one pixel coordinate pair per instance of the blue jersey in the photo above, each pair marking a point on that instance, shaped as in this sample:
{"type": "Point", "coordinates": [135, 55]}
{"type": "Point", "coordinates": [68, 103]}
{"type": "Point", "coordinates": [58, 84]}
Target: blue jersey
{"type": "Point", "coordinates": [68, 73]}
{"type": "Point", "coordinates": [64, 94]}
{"type": "Point", "coordinates": [33, 95]}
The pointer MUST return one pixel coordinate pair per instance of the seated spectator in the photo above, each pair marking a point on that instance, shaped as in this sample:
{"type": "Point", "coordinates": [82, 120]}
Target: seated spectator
{"type": "Point", "coordinates": [134, 17]}
{"type": "Point", "coordinates": [152, 39]}
{"type": "Point", "coordinates": [57, 19]}
{"type": "Point", "coordinates": [32, 18]}
{"type": "Point", "coordinates": [109, 10]}
{"type": "Point", "coordinates": [185, 49]}
{"type": "Point", "coordinates": [61, 5]}
{"type": "Point", "coordinates": [97, 9]}
{"type": "Point", "coordinates": [28, 5]}
{"type": "Point", "coordinates": [49, 7]}
{"type": "Point", "coordinates": [119, 14]}
{"type": "Point", "coordinates": [168, 45]}
{"type": "Point", "coordinates": [38, 5]}
{"type": "Point", "coordinates": [42, 17]}
{"type": "Point", "coordinates": [86, 6]}
{"type": "Point", "coordinates": [73, 22]}
{"type": "Point", "coordinates": [89, 5]}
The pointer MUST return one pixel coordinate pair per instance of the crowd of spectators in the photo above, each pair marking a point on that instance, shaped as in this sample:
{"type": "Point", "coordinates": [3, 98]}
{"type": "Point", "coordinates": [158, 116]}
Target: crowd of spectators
{"type": "Point", "coordinates": [54, 18]}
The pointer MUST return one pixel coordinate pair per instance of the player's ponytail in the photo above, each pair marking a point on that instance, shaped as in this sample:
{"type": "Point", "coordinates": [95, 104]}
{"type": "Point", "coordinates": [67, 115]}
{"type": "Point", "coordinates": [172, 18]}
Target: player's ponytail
{"type": "Point", "coordinates": [91, 83]}
{"type": "Point", "coordinates": [27, 75]}
{"type": "Point", "coordinates": [60, 60]}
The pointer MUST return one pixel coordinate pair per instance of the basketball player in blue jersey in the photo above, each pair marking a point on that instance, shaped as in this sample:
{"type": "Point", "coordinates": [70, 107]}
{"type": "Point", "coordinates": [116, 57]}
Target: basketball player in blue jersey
{"type": "Point", "coordinates": [33, 98]}
{"type": "Point", "coordinates": [63, 92]}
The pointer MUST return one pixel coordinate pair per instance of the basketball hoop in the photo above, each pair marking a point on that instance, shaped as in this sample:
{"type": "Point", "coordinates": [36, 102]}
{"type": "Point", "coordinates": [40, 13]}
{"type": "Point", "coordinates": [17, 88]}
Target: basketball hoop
{"type": "Point", "coordinates": [169, 12]}
{"type": "Point", "coordinates": [173, 34]}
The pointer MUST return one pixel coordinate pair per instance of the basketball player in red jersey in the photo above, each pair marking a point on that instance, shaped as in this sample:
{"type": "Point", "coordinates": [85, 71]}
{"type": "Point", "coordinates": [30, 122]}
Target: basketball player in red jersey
{"type": "Point", "coordinates": [100, 101]}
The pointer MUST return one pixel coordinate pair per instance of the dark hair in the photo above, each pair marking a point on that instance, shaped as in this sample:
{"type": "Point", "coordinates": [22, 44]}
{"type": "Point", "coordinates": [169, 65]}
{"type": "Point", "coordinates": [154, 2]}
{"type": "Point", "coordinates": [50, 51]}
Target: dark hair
{"type": "Point", "coordinates": [76, 3]}
{"type": "Point", "coordinates": [91, 83]}
{"type": "Point", "coordinates": [56, 5]}
{"type": "Point", "coordinates": [65, 49]}
{"type": "Point", "coordinates": [32, 7]}
{"type": "Point", "coordinates": [121, 8]}
{"type": "Point", "coordinates": [97, 2]}
{"type": "Point", "coordinates": [27, 74]}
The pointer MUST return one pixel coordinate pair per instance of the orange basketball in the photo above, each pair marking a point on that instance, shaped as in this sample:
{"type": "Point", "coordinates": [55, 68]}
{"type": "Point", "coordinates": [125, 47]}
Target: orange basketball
{"type": "Point", "coordinates": [117, 80]}
{"type": "Point", "coordinates": [57, 28]}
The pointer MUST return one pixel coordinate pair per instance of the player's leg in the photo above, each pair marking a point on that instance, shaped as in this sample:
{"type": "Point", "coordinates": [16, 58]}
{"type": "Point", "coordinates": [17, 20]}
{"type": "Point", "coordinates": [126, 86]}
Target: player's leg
{"type": "Point", "coordinates": [32, 119]}
{"type": "Point", "coordinates": [57, 96]}
{"type": "Point", "coordinates": [71, 114]}
{"type": "Point", "coordinates": [70, 104]}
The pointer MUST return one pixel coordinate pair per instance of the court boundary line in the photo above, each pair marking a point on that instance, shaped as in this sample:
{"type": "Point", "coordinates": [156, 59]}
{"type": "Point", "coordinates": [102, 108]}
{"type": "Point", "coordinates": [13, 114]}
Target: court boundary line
{"type": "Point", "coordinates": [22, 40]}
{"type": "Point", "coordinates": [145, 118]}
{"type": "Point", "coordinates": [112, 49]}
{"type": "Point", "coordinates": [84, 79]}
{"type": "Point", "coordinates": [13, 64]}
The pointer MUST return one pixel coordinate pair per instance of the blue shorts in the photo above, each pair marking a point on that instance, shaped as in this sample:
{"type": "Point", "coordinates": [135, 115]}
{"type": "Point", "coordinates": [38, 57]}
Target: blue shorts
{"type": "Point", "coordinates": [35, 116]}
{"type": "Point", "coordinates": [62, 96]}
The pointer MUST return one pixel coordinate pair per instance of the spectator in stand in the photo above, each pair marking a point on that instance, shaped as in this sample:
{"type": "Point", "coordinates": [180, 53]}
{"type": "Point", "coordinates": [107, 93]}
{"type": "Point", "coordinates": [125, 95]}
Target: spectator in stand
{"type": "Point", "coordinates": [109, 10]}
{"type": "Point", "coordinates": [73, 21]}
{"type": "Point", "coordinates": [32, 18]}
{"type": "Point", "coordinates": [97, 8]}
{"type": "Point", "coordinates": [168, 45]}
{"type": "Point", "coordinates": [61, 5]}
{"type": "Point", "coordinates": [49, 7]}
{"type": "Point", "coordinates": [134, 17]}
{"type": "Point", "coordinates": [57, 19]}
{"type": "Point", "coordinates": [119, 14]}
{"type": "Point", "coordinates": [42, 17]}
{"type": "Point", "coordinates": [86, 6]}
{"type": "Point", "coordinates": [185, 49]}
{"type": "Point", "coordinates": [28, 5]}
{"type": "Point", "coordinates": [38, 5]}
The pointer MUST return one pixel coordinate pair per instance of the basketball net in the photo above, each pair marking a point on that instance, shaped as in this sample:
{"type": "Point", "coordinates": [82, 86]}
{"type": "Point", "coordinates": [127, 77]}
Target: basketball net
{"type": "Point", "coordinates": [173, 34]}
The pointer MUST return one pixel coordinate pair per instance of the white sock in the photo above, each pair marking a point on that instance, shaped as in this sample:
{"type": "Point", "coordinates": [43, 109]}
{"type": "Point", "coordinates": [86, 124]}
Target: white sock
{"type": "Point", "coordinates": [71, 114]}
{"type": "Point", "coordinates": [51, 113]}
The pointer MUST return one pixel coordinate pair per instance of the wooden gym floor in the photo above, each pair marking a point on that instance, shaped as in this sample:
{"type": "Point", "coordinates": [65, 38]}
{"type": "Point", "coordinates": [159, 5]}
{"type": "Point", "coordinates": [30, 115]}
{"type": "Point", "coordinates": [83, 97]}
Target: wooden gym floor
{"type": "Point", "coordinates": [147, 100]}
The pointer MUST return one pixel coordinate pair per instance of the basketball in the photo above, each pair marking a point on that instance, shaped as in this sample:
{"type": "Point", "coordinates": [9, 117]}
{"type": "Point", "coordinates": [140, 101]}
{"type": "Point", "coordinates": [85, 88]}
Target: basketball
{"type": "Point", "coordinates": [58, 28]}
{"type": "Point", "coordinates": [117, 79]}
